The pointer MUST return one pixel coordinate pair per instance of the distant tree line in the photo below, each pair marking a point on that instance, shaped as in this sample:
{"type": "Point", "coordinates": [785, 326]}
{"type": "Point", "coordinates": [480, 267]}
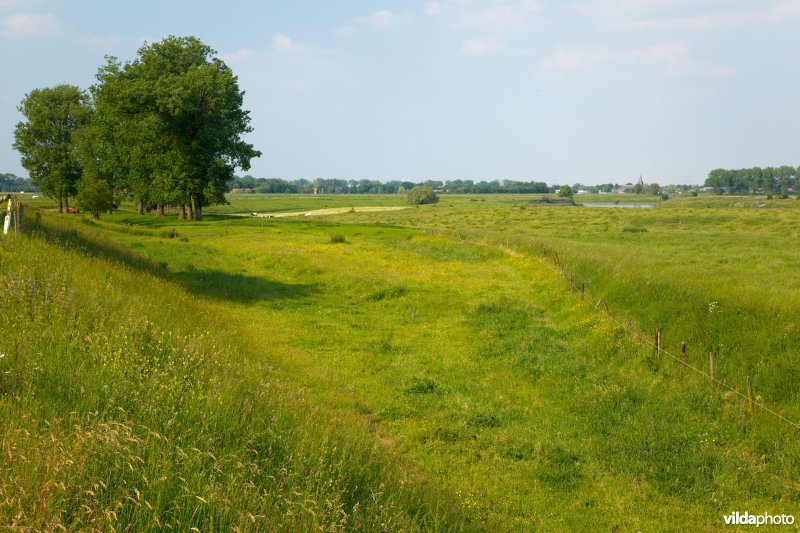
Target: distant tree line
{"type": "Point", "coordinates": [367, 186]}
{"type": "Point", "coordinates": [164, 130]}
{"type": "Point", "coordinates": [13, 183]}
{"type": "Point", "coordinates": [756, 180]}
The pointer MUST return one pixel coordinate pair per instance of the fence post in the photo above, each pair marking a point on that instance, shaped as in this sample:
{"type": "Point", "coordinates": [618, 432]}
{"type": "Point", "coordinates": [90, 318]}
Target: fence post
{"type": "Point", "coordinates": [750, 392]}
{"type": "Point", "coordinates": [658, 342]}
{"type": "Point", "coordinates": [583, 290]}
{"type": "Point", "coordinates": [712, 367]}
{"type": "Point", "coordinates": [683, 352]}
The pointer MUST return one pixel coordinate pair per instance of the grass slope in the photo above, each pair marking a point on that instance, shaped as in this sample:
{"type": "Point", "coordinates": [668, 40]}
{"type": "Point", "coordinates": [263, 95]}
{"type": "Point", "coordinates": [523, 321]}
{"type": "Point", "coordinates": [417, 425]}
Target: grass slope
{"type": "Point", "coordinates": [124, 404]}
{"type": "Point", "coordinates": [511, 403]}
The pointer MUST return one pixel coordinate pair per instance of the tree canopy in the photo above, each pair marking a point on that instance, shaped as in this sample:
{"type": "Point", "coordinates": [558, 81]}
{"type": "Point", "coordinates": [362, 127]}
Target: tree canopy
{"type": "Point", "coordinates": [422, 194]}
{"type": "Point", "coordinates": [754, 180]}
{"type": "Point", "coordinates": [46, 140]}
{"type": "Point", "coordinates": [169, 124]}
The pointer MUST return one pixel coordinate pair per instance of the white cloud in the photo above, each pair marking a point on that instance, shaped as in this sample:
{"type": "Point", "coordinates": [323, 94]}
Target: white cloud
{"type": "Point", "coordinates": [497, 14]}
{"type": "Point", "coordinates": [378, 20]}
{"type": "Point", "coordinates": [385, 18]}
{"type": "Point", "coordinates": [434, 9]}
{"type": "Point", "coordinates": [788, 8]}
{"type": "Point", "coordinates": [239, 56]}
{"type": "Point", "coordinates": [487, 46]}
{"type": "Point", "coordinates": [684, 15]}
{"type": "Point", "coordinates": [670, 56]}
{"type": "Point", "coordinates": [14, 4]}
{"type": "Point", "coordinates": [32, 25]}
{"type": "Point", "coordinates": [283, 43]}
{"type": "Point", "coordinates": [578, 57]}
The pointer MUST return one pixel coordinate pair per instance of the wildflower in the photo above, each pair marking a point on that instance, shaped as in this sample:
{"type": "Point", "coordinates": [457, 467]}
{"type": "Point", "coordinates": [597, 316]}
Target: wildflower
{"type": "Point", "coordinates": [713, 307]}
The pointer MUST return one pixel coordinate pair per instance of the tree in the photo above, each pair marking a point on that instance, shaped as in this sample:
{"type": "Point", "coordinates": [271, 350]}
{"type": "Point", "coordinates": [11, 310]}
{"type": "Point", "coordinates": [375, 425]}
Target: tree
{"type": "Point", "coordinates": [422, 194]}
{"type": "Point", "coordinates": [45, 139]}
{"type": "Point", "coordinates": [177, 111]}
{"type": "Point", "coordinates": [95, 196]}
{"type": "Point", "coordinates": [565, 191]}
{"type": "Point", "coordinates": [654, 188]}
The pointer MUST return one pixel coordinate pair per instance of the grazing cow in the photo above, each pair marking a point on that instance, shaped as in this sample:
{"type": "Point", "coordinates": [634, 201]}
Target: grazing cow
{"type": "Point", "coordinates": [72, 210]}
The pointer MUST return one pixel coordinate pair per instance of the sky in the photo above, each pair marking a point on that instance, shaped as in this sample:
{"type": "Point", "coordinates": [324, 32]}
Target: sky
{"type": "Point", "coordinates": [583, 91]}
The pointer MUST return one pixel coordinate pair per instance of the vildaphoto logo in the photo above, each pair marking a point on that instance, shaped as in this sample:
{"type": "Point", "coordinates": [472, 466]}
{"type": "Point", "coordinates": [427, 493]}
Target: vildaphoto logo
{"type": "Point", "coordinates": [747, 519]}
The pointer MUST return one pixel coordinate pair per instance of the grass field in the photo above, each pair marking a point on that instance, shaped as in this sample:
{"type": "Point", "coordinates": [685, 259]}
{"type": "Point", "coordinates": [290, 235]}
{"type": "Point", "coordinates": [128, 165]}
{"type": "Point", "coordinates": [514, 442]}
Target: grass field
{"type": "Point", "coordinates": [418, 369]}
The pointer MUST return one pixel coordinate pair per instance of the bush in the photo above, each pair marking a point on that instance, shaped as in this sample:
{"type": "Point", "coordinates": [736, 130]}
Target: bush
{"type": "Point", "coordinates": [565, 191]}
{"type": "Point", "coordinates": [337, 238]}
{"type": "Point", "coordinates": [665, 196]}
{"type": "Point", "coordinates": [94, 196]}
{"type": "Point", "coordinates": [422, 194]}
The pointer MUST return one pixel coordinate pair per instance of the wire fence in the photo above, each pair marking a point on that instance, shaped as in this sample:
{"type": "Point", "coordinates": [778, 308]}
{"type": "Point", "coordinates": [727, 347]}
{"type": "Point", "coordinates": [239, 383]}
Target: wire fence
{"type": "Point", "coordinates": [637, 334]}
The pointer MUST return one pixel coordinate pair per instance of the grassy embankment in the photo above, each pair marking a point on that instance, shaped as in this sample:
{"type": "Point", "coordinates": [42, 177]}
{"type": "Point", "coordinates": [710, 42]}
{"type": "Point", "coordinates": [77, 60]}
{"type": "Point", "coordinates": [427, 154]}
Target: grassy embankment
{"type": "Point", "coordinates": [477, 366]}
{"type": "Point", "coordinates": [126, 400]}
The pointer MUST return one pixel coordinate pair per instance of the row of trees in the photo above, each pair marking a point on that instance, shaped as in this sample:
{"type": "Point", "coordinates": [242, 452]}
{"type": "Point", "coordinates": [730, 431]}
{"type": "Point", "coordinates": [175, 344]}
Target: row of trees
{"type": "Point", "coordinates": [164, 129]}
{"type": "Point", "coordinates": [366, 186]}
{"type": "Point", "coordinates": [13, 183]}
{"type": "Point", "coordinates": [755, 180]}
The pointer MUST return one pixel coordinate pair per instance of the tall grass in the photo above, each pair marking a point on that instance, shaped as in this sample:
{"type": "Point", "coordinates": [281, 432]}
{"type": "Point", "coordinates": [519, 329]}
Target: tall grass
{"type": "Point", "coordinates": [124, 406]}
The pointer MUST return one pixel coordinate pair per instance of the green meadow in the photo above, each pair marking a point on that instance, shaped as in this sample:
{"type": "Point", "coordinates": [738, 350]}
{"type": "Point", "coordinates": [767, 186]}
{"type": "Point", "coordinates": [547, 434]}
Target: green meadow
{"type": "Point", "coordinates": [419, 369]}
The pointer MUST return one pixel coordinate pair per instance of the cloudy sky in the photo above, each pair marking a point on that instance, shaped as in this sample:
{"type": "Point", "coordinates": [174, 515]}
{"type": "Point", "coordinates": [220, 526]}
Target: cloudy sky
{"type": "Point", "coordinates": [585, 91]}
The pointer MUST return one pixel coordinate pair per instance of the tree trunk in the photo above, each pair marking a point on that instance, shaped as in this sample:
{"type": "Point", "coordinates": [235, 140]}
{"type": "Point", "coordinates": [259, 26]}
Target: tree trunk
{"type": "Point", "coordinates": [160, 210]}
{"type": "Point", "coordinates": [198, 208]}
{"type": "Point", "coordinates": [140, 208]}
{"type": "Point", "coordinates": [96, 216]}
{"type": "Point", "coordinates": [191, 208]}
{"type": "Point", "coordinates": [182, 212]}
{"type": "Point", "coordinates": [66, 204]}
{"type": "Point", "coordinates": [60, 204]}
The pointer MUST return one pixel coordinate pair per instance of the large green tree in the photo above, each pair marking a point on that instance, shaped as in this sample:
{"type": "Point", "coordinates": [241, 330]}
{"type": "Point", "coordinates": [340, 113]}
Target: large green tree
{"type": "Point", "coordinates": [46, 138]}
{"type": "Point", "coordinates": [175, 119]}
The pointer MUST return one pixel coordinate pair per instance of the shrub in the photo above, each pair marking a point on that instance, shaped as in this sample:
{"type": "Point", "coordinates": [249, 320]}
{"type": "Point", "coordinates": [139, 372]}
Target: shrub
{"type": "Point", "coordinates": [338, 238]}
{"type": "Point", "coordinates": [94, 196]}
{"type": "Point", "coordinates": [422, 194]}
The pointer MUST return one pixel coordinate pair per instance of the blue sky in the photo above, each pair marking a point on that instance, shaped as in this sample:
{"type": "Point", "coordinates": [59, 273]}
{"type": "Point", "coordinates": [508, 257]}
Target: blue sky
{"type": "Point", "coordinates": [587, 91]}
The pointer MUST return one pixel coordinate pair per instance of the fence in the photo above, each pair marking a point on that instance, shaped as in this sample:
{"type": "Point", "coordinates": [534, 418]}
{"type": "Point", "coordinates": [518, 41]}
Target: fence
{"type": "Point", "coordinates": [654, 342]}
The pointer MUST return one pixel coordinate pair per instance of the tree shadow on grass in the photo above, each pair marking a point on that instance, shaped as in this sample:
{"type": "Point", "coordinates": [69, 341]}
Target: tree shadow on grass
{"type": "Point", "coordinates": [217, 284]}
{"type": "Point", "coordinates": [239, 288]}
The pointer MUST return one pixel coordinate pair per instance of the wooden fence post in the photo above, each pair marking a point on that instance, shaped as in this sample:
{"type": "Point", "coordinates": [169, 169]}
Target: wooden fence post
{"type": "Point", "coordinates": [683, 352]}
{"type": "Point", "coordinates": [658, 342]}
{"type": "Point", "coordinates": [712, 367]}
{"type": "Point", "coordinates": [583, 290]}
